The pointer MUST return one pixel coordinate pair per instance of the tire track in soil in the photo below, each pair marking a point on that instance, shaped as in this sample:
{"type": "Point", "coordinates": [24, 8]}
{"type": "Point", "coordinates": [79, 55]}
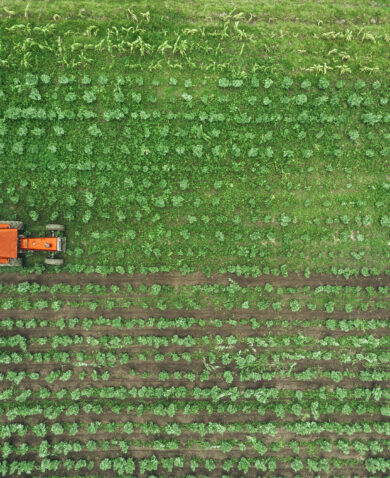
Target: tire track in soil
{"type": "Point", "coordinates": [174, 279]}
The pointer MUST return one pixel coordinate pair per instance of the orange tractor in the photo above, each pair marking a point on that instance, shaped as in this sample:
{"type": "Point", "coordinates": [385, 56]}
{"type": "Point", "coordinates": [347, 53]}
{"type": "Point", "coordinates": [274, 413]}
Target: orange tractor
{"type": "Point", "coordinates": [13, 244]}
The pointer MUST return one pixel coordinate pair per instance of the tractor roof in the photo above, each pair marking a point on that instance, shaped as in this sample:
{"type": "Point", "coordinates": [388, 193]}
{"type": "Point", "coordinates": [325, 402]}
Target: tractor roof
{"type": "Point", "coordinates": [8, 243]}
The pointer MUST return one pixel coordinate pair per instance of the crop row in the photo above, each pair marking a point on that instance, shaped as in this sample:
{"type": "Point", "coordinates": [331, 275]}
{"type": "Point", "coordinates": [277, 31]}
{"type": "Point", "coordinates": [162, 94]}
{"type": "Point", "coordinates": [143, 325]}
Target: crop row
{"type": "Point", "coordinates": [244, 361]}
{"type": "Point", "coordinates": [186, 323]}
{"type": "Point", "coordinates": [355, 95]}
{"type": "Point", "coordinates": [142, 466]}
{"type": "Point", "coordinates": [235, 294]}
{"type": "Point", "coordinates": [262, 372]}
{"type": "Point", "coordinates": [202, 374]}
{"type": "Point", "coordinates": [214, 289]}
{"type": "Point", "coordinates": [320, 106]}
{"type": "Point", "coordinates": [267, 341]}
{"type": "Point", "coordinates": [65, 447]}
{"type": "Point", "coordinates": [301, 428]}
{"type": "Point", "coordinates": [29, 79]}
{"type": "Point", "coordinates": [250, 368]}
{"type": "Point", "coordinates": [324, 401]}
{"type": "Point", "coordinates": [182, 302]}
{"type": "Point", "coordinates": [98, 400]}
{"type": "Point", "coordinates": [32, 114]}
{"type": "Point", "coordinates": [323, 393]}
{"type": "Point", "coordinates": [215, 394]}
{"type": "Point", "coordinates": [233, 289]}
{"type": "Point", "coordinates": [313, 409]}
{"type": "Point", "coordinates": [239, 269]}
{"type": "Point", "coordinates": [94, 138]}
{"type": "Point", "coordinates": [83, 96]}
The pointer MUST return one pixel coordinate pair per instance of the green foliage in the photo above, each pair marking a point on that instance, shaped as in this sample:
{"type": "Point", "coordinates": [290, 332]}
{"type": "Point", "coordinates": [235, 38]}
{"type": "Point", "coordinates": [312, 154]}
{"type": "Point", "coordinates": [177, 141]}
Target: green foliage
{"type": "Point", "coordinates": [183, 154]}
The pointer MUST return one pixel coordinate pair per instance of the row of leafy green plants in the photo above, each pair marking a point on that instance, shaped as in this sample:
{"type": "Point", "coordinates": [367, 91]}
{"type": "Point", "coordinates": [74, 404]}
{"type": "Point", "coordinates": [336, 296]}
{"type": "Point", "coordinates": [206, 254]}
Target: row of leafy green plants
{"type": "Point", "coordinates": [185, 323]}
{"type": "Point", "coordinates": [289, 410]}
{"type": "Point", "coordinates": [251, 368]}
{"type": "Point", "coordinates": [233, 288]}
{"type": "Point", "coordinates": [301, 428]}
{"type": "Point", "coordinates": [207, 341]}
{"type": "Point", "coordinates": [181, 302]}
{"type": "Point", "coordinates": [65, 447]}
{"type": "Point", "coordinates": [145, 465]}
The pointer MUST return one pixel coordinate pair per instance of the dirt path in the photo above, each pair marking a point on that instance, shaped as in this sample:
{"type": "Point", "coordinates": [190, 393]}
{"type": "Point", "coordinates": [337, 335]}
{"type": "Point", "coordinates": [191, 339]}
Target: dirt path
{"type": "Point", "coordinates": [197, 278]}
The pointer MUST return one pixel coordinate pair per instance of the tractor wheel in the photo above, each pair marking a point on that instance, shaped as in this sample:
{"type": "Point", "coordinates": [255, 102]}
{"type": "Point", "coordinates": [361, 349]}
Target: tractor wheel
{"type": "Point", "coordinates": [17, 262]}
{"type": "Point", "coordinates": [55, 227]}
{"type": "Point", "coordinates": [14, 262]}
{"type": "Point", "coordinates": [54, 262]}
{"type": "Point", "coordinates": [14, 224]}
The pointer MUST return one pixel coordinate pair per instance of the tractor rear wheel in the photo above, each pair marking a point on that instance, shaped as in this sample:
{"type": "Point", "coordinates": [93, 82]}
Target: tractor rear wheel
{"type": "Point", "coordinates": [54, 262]}
{"type": "Point", "coordinates": [55, 227]}
{"type": "Point", "coordinates": [16, 262]}
{"type": "Point", "coordinates": [13, 263]}
{"type": "Point", "coordinates": [14, 224]}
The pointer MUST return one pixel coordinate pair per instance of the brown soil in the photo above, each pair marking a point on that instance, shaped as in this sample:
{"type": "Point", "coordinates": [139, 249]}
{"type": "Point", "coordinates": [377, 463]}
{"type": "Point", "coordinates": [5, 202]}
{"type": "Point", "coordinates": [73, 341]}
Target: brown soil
{"type": "Point", "coordinates": [197, 278]}
{"type": "Point", "coordinates": [194, 331]}
{"type": "Point", "coordinates": [141, 452]}
{"type": "Point", "coordinates": [119, 374]}
{"type": "Point", "coordinates": [204, 313]}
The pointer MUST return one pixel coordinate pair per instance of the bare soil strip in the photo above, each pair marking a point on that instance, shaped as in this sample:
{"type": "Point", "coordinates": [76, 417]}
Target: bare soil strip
{"type": "Point", "coordinates": [197, 278]}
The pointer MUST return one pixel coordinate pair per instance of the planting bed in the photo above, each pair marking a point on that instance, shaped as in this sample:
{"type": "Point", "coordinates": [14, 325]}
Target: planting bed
{"type": "Point", "coordinates": [134, 376]}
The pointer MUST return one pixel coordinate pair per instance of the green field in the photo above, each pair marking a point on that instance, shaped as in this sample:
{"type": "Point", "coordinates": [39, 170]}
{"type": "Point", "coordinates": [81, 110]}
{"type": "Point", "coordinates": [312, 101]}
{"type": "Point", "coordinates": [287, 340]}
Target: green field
{"type": "Point", "coordinates": [222, 172]}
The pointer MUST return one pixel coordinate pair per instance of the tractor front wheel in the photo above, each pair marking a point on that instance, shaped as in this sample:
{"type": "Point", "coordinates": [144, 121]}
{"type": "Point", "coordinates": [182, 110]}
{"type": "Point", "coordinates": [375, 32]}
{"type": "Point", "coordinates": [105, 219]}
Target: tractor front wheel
{"type": "Point", "coordinates": [14, 224]}
{"type": "Point", "coordinates": [55, 227]}
{"type": "Point", "coordinates": [54, 262]}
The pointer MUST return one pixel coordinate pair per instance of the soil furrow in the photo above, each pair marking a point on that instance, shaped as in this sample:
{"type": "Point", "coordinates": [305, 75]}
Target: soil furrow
{"type": "Point", "coordinates": [174, 279]}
